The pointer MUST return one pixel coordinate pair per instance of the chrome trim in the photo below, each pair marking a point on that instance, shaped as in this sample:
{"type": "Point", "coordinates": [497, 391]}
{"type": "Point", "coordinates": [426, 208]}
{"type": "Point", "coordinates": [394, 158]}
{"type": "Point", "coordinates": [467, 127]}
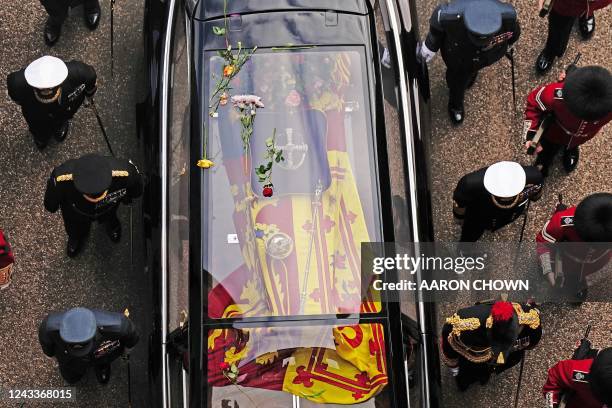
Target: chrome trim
{"type": "Point", "coordinates": [394, 19]}
{"type": "Point", "coordinates": [185, 388]}
{"type": "Point", "coordinates": [164, 200]}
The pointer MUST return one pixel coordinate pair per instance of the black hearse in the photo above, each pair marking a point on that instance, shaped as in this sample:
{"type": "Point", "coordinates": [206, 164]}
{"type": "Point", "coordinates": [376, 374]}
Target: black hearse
{"type": "Point", "coordinates": [267, 168]}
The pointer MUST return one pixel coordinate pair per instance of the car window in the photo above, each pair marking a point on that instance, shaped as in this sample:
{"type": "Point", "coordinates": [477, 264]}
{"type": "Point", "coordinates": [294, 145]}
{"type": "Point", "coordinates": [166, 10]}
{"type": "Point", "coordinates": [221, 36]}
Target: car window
{"type": "Point", "coordinates": [297, 252]}
{"type": "Point", "coordinates": [178, 177]}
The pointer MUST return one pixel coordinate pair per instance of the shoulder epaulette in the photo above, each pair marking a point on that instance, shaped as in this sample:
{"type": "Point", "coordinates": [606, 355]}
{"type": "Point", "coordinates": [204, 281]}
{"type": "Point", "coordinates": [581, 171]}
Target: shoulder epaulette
{"type": "Point", "coordinates": [460, 325]}
{"type": "Point", "coordinates": [64, 177]}
{"type": "Point", "coordinates": [531, 318]}
{"type": "Point", "coordinates": [120, 173]}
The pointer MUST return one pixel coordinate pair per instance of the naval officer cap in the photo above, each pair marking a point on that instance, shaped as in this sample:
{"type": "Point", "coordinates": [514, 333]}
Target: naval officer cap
{"type": "Point", "coordinates": [92, 174]}
{"type": "Point", "coordinates": [46, 72]}
{"type": "Point", "coordinates": [483, 18]}
{"type": "Point", "coordinates": [505, 179]}
{"type": "Point", "coordinates": [78, 329]}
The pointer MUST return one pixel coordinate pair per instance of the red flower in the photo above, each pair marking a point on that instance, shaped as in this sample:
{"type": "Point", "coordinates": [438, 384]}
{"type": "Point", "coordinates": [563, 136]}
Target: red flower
{"type": "Point", "coordinates": [224, 365]}
{"type": "Point", "coordinates": [293, 99]}
{"type": "Point", "coordinates": [268, 190]}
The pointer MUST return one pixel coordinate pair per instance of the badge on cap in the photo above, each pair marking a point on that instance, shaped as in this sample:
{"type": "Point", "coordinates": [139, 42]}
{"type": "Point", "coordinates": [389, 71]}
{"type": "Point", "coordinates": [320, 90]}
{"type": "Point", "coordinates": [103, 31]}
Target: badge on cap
{"type": "Point", "coordinates": [46, 72]}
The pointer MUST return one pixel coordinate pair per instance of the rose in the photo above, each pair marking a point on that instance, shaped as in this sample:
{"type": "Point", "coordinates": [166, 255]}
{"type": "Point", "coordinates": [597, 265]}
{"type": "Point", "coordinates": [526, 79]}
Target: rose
{"type": "Point", "coordinates": [228, 70]}
{"type": "Point", "coordinates": [223, 99]}
{"type": "Point", "coordinates": [268, 190]}
{"type": "Point", "coordinates": [293, 99]}
{"type": "Point", "coordinates": [224, 366]}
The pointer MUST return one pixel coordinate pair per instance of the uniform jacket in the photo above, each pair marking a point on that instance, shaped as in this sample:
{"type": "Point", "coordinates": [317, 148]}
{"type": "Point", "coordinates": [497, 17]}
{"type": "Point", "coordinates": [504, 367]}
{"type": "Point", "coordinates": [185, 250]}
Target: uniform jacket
{"type": "Point", "coordinates": [465, 335]}
{"type": "Point", "coordinates": [471, 194]}
{"type": "Point", "coordinates": [448, 33]}
{"type": "Point", "coordinates": [577, 8]}
{"type": "Point", "coordinates": [81, 81]}
{"type": "Point", "coordinates": [580, 259]}
{"type": "Point", "coordinates": [572, 376]}
{"type": "Point", "coordinates": [61, 192]}
{"type": "Point", "coordinates": [567, 129]}
{"type": "Point", "coordinates": [6, 254]}
{"type": "Point", "coordinates": [115, 333]}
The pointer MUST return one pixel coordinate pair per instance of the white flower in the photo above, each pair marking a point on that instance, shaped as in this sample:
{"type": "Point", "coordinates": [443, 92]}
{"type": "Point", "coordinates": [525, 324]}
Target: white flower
{"type": "Point", "coordinates": [242, 101]}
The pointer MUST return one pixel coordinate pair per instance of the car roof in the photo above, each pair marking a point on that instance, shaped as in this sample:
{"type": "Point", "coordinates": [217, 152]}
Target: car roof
{"type": "Point", "coordinates": [211, 9]}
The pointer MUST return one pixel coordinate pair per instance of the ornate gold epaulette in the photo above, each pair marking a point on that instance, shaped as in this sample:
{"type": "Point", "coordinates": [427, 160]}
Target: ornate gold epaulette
{"type": "Point", "coordinates": [120, 173]}
{"type": "Point", "coordinates": [531, 318]}
{"type": "Point", "coordinates": [64, 177]}
{"type": "Point", "coordinates": [460, 325]}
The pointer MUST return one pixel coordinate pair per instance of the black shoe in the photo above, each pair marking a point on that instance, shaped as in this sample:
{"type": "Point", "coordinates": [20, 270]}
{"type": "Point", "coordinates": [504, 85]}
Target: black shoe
{"type": "Point", "coordinates": [570, 159]}
{"type": "Point", "coordinates": [102, 373]}
{"type": "Point", "coordinates": [544, 62]}
{"type": "Point", "coordinates": [586, 26]}
{"type": "Point", "coordinates": [52, 33]}
{"type": "Point", "coordinates": [92, 18]}
{"type": "Point", "coordinates": [62, 132]}
{"type": "Point", "coordinates": [114, 232]}
{"type": "Point", "coordinates": [456, 114]}
{"type": "Point", "coordinates": [73, 247]}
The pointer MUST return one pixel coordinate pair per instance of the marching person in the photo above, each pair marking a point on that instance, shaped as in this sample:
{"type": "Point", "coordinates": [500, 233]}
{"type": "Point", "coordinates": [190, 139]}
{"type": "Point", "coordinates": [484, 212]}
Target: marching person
{"type": "Point", "coordinates": [561, 19]}
{"type": "Point", "coordinates": [488, 338]}
{"type": "Point", "coordinates": [587, 383]}
{"type": "Point", "coordinates": [568, 266]}
{"type": "Point", "coordinates": [6, 262]}
{"type": "Point", "coordinates": [494, 196]}
{"type": "Point", "coordinates": [50, 91]}
{"type": "Point", "coordinates": [471, 35]}
{"type": "Point", "coordinates": [81, 338]}
{"type": "Point", "coordinates": [90, 188]}
{"type": "Point", "coordinates": [581, 104]}
{"type": "Point", "coordinates": [58, 11]}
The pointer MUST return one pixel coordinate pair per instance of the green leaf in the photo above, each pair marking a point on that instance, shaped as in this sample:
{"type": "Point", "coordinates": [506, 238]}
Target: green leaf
{"type": "Point", "coordinates": [262, 169]}
{"type": "Point", "coordinates": [234, 369]}
{"type": "Point", "coordinates": [218, 30]}
{"type": "Point", "coordinates": [269, 166]}
{"type": "Point", "coordinates": [278, 159]}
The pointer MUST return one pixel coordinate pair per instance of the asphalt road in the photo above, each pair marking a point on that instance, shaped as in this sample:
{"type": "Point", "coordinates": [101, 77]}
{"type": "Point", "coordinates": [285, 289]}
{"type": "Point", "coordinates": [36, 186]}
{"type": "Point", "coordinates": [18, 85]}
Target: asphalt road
{"type": "Point", "coordinates": [491, 132]}
{"type": "Point", "coordinates": [44, 278]}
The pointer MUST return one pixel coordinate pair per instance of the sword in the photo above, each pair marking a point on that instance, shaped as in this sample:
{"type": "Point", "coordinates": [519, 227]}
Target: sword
{"type": "Point", "coordinates": [520, 379]}
{"type": "Point", "coordinates": [510, 56]}
{"type": "Point", "coordinates": [315, 211]}
{"type": "Point", "coordinates": [126, 313]}
{"type": "Point", "coordinates": [544, 124]}
{"type": "Point", "coordinates": [95, 109]}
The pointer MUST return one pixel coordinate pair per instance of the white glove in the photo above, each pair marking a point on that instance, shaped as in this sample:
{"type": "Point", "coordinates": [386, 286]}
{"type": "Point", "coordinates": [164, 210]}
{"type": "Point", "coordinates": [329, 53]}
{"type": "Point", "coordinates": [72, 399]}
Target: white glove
{"type": "Point", "coordinates": [424, 53]}
{"type": "Point", "coordinates": [454, 371]}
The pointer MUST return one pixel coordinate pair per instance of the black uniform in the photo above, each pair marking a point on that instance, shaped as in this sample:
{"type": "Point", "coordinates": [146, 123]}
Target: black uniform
{"type": "Point", "coordinates": [45, 119]}
{"type": "Point", "coordinates": [78, 213]}
{"type": "Point", "coordinates": [481, 211]}
{"type": "Point", "coordinates": [462, 56]}
{"type": "Point", "coordinates": [58, 9]}
{"type": "Point", "coordinates": [466, 342]}
{"type": "Point", "coordinates": [115, 332]}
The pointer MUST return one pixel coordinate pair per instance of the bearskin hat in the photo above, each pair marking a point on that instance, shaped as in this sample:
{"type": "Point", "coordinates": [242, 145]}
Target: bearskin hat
{"type": "Point", "coordinates": [601, 376]}
{"type": "Point", "coordinates": [593, 218]}
{"type": "Point", "coordinates": [587, 92]}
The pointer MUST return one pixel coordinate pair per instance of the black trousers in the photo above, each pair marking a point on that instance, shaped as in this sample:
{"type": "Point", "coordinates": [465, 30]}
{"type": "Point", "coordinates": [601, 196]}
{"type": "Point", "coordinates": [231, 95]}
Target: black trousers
{"type": "Point", "coordinates": [58, 9]}
{"type": "Point", "coordinates": [458, 80]}
{"type": "Point", "coordinates": [43, 130]}
{"type": "Point", "coordinates": [77, 225]}
{"type": "Point", "coordinates": [470, 373]}
{"type": "Point", "coordinates": [546, 156]}
{"type": "Point", "coordinates": [559, 30]}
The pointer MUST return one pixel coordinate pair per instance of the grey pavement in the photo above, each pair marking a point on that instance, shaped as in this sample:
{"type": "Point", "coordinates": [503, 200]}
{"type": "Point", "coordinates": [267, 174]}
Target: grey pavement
{"type": "Point", "coordinates": [44, 278]}
{"type": "Point", "coordinates": [492, 132]}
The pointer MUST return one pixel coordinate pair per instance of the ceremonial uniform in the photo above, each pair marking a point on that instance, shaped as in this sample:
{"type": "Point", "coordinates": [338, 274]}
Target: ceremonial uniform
{"type": "Point", "coordinates": [480, 210]}
{"type": "Point", "coordinates": [471, 35]}
{"type": "Point", "coordinates": [48, 118]}
{"type": "Point", "coordinates": [80, 338]}
{"type": "Point", "coordinates": [58, 11]}
{"type": "Point", "coordinates": [560, 22]}
{"type": "Point", "coordinates": [469, 344]}
{"type": "Point", "coordinates": [566, 131]}
{"type": "Point", "coordinates": [6, 261]}
{"type": "Point", "coordinates": [120, 182]}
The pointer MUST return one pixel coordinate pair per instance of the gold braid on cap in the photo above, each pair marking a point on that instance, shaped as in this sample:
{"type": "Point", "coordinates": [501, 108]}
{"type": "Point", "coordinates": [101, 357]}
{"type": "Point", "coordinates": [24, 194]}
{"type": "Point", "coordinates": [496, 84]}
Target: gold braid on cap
{"type": "Point", "coordinates": [531, 318]}
{"type": "Point", "coordinates": [64, 177]}
{"type": "Point", "coordinates": [120, 173]}
{"type": "Point", "coordinates": [459, 324]}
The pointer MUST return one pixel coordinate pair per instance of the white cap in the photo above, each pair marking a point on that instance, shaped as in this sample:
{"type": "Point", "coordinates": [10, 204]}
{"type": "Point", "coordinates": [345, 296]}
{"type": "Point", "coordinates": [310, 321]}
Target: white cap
{"type": "Point", "coordinates": [505, 179]}
{"type": "Point", "coordinates": [46, 72]}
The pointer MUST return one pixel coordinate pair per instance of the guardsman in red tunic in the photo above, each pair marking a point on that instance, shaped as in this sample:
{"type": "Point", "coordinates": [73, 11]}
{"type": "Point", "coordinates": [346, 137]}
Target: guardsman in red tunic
{"type": "Point", "coordinates": [6, 262]}
{"type": "Point", "coordinates": [488, 338]}
{"type": "Point", "coordinates": [581, 105]}
{"type": "Point", "coordinates": [560, 22]}
{"type": "Point", "coordinates": [585, 383]}
{"type": "Point", "coordinates": [590, 221]}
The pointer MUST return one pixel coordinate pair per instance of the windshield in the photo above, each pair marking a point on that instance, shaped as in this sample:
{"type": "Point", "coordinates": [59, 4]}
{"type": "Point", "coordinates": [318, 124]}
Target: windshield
{"type": "Point", "coordinates": [298, 251]}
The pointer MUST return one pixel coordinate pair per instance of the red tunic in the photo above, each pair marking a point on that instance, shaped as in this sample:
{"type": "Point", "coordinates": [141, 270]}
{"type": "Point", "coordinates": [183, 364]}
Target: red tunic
{"type": "Point", "coordinates": [577, 8]}
{"type": "Point", "coordinates": [6, 254]}
{"type": "Point", "coordinates": [567, 129]}
{"type": "Point", "coordinates": [570, 376]}
{"type": "Point", "coordinates": [582, 259]}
